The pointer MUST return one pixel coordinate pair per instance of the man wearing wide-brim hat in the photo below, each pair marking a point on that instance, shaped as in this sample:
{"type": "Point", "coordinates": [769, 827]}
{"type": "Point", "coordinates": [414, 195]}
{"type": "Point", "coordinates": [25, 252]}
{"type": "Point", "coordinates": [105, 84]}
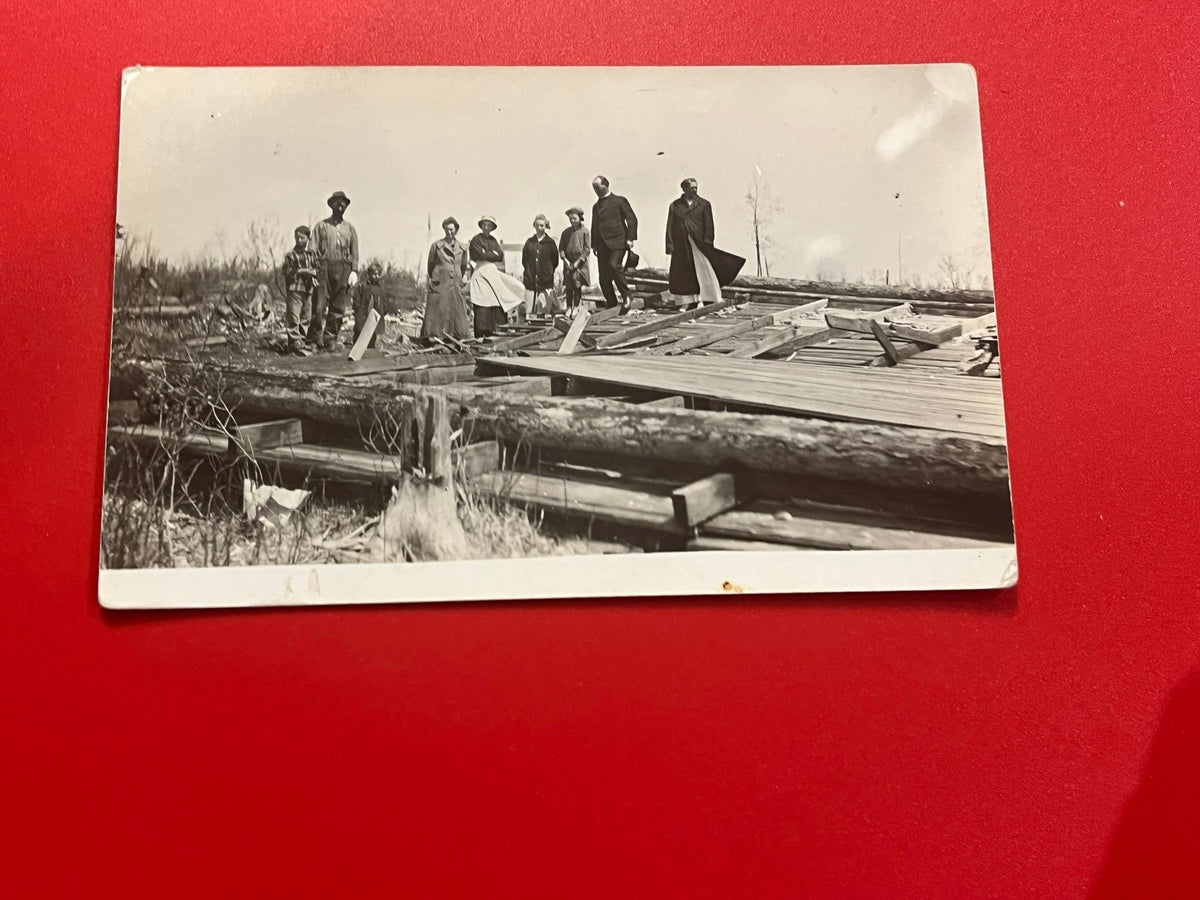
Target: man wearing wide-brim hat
{"type": "Point", "coordinates": [335, 242]}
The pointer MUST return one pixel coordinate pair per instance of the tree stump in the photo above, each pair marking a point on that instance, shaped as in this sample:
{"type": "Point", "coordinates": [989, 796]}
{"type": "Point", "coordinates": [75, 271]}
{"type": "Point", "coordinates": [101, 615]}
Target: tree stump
{"type": "Point", "coordinates": [421, 519]}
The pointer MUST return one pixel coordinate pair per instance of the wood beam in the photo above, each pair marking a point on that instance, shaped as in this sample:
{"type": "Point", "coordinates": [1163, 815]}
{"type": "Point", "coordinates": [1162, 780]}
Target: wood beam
{"type": "Point", "coordinates": [580, 322]}
{"type": "Point", "coordinates": [528, 339]}
{"type": "Point", "coordinates": [633, 332]}
{"type": "Point", "coordinates": [701, 500]}
{"type": "Point", "coordinates": [861, 321]}
{"type": "Point", "coordinates": [788, 338]}
{"type": "Point", "coordinates": [250, 439]}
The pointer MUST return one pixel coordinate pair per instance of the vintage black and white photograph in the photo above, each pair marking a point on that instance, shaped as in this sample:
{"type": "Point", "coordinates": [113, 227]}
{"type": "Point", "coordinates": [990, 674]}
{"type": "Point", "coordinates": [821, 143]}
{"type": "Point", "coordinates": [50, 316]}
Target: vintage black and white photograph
{"type": "Point", "coordinates": [402, 334]}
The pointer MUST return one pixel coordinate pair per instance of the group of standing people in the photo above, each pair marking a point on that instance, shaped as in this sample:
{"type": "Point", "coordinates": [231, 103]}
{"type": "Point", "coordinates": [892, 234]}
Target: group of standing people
{"type": "Point", "coordinates": [320, 271]}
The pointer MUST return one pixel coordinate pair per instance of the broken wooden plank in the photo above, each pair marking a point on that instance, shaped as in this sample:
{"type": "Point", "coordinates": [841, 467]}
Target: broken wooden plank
{"type": "Point", "coordinates": [713, 335]}
{"type": "Point", "coordinates": [265, 435]}
{"type": "Point", "coordinates": [793, 338]}
{"type": "Point", "coordinates": [580, 322]}
{"type": "Point", "coordinates": [604, 313]}
{"type": "Point", "coordinates": [632, 332]}
{"type": "Point", "coordinates": [701, 500]}
{"type": "Point", "coordinates": [524, 340]}
{"type": "Point", "coordinates": [861, 321]}
{"type": "Point", "coordinates": [364, 336]}
{"type": "Point", "coordinates": [609, 503]}
{"type": "Point", "coordinates": [889, 348]}
{"type": "Point", "coordinates": [934, 337]}
{"type": "Point", "coordinates": [892, 353]}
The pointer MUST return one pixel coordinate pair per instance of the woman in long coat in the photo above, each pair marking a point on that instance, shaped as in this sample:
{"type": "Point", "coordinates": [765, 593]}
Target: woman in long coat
{"type": "Point", "coordinates": [445, 304]}
{"type": "Point", "coordinates": [698, 269]}
{"type": "Point", "coordinates": [539, 263]}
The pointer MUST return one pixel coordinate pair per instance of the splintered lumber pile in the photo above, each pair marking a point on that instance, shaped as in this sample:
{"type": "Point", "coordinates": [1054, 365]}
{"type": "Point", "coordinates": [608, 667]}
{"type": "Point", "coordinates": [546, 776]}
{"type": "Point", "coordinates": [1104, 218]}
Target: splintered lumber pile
{"type": "Point", "coordinates": [941, 402]}
{"type": "Point", "coordinates": [741, 322]}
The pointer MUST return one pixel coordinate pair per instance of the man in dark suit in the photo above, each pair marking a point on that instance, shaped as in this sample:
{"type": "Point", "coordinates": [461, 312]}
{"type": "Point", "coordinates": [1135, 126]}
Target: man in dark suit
{"type": "Point", "coordinates": [614, 230]}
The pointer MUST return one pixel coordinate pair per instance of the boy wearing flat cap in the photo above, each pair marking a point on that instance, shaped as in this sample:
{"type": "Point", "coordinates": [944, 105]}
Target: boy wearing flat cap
{"type": "Point", "coordinates": [575, 245]}
{"type": "Point", "coordinates": [336, 244]}
{"type": "Point", "coordinates": [300, 282]}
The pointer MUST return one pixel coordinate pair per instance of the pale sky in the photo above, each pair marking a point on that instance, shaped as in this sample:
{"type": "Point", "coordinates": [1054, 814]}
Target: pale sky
{"type": "Point", "coordinates": [206, 151]}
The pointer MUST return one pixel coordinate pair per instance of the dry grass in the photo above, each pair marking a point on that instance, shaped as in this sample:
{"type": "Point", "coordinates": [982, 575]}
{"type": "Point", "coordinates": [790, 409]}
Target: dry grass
{"type": "Point", "coordinates": [207, 529]}
{"type": "Point", "coordinates": [498, 530]}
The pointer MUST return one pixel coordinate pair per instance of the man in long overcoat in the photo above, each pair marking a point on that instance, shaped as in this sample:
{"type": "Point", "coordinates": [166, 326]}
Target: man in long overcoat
{"type": "Point", "coordinates": [690, 225]}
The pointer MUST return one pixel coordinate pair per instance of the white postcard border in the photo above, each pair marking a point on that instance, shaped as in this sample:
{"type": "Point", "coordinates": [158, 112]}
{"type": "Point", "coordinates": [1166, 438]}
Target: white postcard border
{"type": "Point", "coordinates": [700, 573]}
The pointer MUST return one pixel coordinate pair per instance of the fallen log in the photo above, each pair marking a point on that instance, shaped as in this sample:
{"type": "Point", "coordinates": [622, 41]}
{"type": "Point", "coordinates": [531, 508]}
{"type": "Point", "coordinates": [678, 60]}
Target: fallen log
{"type": "Point", "coordinates": [875, 456]}
{"type": "Point", "coordinates": [349, 403]}
{"type": "Point", "coordinates": [897, 292]}
{"type": "Point", "coordinates": [159, 312]}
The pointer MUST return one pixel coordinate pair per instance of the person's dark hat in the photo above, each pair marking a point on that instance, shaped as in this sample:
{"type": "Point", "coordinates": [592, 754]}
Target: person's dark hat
{"type": "Point", "coordinates": [576, 210]}
{"type": "Point", "coordinates": [450, 220]}
{"type": "Point", "coordinates": [632, 260]}
{"type": "Point", "coordinates": [302, 229]}
{"type": "Point", "coordinates": [337, 195]}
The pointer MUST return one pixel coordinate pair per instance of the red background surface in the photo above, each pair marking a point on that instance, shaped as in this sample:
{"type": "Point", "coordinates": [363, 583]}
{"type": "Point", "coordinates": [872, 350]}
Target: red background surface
{"type": "Point", "coordinates": [1043, 742]}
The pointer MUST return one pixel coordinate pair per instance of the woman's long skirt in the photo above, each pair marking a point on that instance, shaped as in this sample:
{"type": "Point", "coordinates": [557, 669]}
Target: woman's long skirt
{"type": "Point", "coordinates": [501, 295]}
{"type": "Point", "coordinates": [445, 307]}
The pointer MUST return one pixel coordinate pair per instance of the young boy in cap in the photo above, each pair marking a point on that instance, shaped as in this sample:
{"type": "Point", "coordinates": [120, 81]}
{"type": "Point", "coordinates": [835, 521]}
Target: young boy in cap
{"type": "Point", "coordinates": [575, 247]}
{"type": "Point", "coordinates": [300, 281]}
{"type": "Point", "coordinates": [369, 295]}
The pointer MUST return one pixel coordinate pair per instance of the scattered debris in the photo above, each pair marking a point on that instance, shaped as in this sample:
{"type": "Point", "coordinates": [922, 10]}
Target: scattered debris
{"type": "Point", "coordinates": [270, 505]}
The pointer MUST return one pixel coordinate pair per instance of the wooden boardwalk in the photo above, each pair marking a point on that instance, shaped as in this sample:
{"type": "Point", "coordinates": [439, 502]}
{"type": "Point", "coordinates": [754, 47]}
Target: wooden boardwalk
{"type": "Point", "coordinates": [855, 394]}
